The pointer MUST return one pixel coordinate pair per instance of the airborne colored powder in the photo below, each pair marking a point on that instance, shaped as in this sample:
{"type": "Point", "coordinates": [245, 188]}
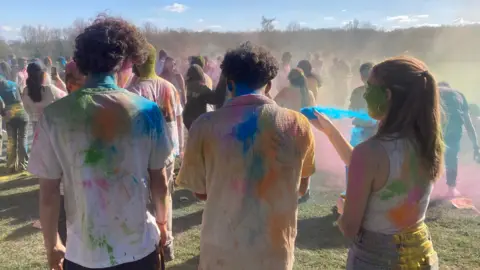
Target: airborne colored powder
{"type": "Point", "coordinates": [335, 113]}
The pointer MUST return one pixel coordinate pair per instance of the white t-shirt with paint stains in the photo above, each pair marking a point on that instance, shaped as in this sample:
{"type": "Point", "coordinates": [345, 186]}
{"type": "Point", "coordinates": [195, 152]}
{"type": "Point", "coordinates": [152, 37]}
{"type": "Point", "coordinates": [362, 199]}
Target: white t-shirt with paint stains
{"type": "Point", "coordinates": [102, 142]}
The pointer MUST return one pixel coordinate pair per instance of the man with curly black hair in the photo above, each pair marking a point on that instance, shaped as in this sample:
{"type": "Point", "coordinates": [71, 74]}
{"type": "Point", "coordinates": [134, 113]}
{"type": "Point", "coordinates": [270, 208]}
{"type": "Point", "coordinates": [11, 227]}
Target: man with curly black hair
{"type": "Point", "coordinates": [109, 146]}
{"type": "Point", "coordinates": [250, 160]}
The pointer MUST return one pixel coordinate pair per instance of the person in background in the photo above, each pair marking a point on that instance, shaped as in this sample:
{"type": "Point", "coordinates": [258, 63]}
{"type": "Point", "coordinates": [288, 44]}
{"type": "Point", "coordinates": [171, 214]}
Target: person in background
{"type": "Point", "coordinates": [297, 95]}
{"type": "Point", "coordinates": [457, 116]}
{"type": "Point", "coordinates": [362, 129]}
{"type": "Point", "coordinates": [162, 56]}
{"type": "Point", "coordinates": [74, 79]}
{"type": "Point", "coordinates": [164, 94]}
{"type": "Point", "coordinates": [199, 96]}
{"type": "Point", "coordinates": [61, 64]}
{"type": "Point", "coordinates": [109, 147]}
{"type": "Point", "coordinates": [281, 81]}
{"type": "Point", "coordinates": [246, 223]}
{"type": "Point", "coordinates": [16, 121]}
{"type": "Point", "coordinates": [171, 74]}
{"type": "Point", "coordinates": [22, 74]}
{"type": "Point", "coordinates": [340, 72]}
{"type": "Point", "coordinates": [39, 93]}
{"type": "Point", "coordinates": [391, 175]}
{"type": "Point", "coordinates": [6, 71]}
{"type": "Point", "coordinates": [313, 80]}
{"type": "Point", "coordinates": [199, 60]}
{"type": "Point", "coordinates": [57, 81]}
{"type": "Point", "coordinates": [2, 113]}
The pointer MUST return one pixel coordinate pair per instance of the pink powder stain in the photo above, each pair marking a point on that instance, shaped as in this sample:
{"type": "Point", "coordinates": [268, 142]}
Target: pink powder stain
{"type": "Point", "coordinates": [239, 186]}
{"type": "Point", "coordinates": [467, 182]}
{"type": "Point", "coordinates": [87, 184]}
{"type": "Point", "coordinates": [103, 184]}
{"type": "Point", "coordinates": [415, 195]}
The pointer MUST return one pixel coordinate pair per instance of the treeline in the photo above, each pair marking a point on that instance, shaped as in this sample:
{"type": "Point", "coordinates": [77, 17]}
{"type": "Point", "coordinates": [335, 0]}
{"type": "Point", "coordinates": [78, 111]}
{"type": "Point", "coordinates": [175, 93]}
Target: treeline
{"type": "Point", "coordinates": [447, 43]}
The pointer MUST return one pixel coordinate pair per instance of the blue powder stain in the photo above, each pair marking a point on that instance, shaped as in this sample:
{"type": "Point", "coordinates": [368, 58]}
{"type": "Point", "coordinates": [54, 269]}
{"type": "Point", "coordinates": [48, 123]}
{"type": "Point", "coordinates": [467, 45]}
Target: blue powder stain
{"type": "Point", "coordinates": [135, 180]}
{"type": "Point", "coordinates": [246, 131]}
{"type": "Point", "coordinates": [150, 120]}
{"type": "Point", "coordinates": [335, 113]}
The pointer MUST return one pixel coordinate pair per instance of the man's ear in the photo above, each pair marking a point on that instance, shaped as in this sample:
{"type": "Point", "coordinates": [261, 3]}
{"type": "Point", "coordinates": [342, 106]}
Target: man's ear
{"type": "Point", "coordinates": [389, 94]}
{"type": "Point", "coordinates": [268, 87]}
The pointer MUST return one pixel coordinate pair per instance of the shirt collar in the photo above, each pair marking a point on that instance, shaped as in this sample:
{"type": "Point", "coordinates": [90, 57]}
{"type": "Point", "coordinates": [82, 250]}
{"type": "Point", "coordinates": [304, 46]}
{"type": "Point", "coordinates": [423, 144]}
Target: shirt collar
{"type": "Point", "coordinates": [103, 80]}
{"type": "Point", "coordinates": [251, 99]}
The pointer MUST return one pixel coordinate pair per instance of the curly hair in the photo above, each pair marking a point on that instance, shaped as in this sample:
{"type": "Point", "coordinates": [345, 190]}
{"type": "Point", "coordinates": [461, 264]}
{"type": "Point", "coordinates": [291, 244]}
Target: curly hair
{"type": "Point", "coordinates": [250, 65]}
{"type": "Point", "coordinates": [104, 46]}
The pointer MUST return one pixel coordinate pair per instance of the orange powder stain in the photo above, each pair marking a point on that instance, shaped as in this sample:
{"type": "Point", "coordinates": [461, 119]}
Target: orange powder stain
{"type": "Point", "coordinates": [269, 156]}
{"type": "Point", "coordinates": [278, 230]}
{"type": "Point", "coordinates": [105, 124]}
{"type": "Point", "coordinates": [404, 215]}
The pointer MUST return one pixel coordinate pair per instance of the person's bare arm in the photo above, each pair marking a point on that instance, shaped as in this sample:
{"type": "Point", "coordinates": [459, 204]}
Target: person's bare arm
{"type": "Point", "coordinates": [341, 145]}
{"type": "Point", "coordinates": [365, 160]}
{"type": "Point", "coordinates": [49, 212]}
{"type": "Point", "coordinates": [304, 183]}
{"type": "Point", "coordinates": [159, 190]}
{"type": "Point", "coordinates": [180, 133]}
{"type": "Point", "coordinates": [183, 92]}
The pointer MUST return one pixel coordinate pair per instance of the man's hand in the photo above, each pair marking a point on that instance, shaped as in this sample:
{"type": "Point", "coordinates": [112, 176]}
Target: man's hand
{"type": "Point", "coordinates": [163, 233]}
{"type": "Point", "coordinates": [55, 257]}
{"type": "Point", "coordinates": [476, 154]}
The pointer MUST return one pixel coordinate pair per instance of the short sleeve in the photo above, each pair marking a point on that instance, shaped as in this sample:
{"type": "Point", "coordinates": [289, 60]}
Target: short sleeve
{"type": "Point", "coordinates": [178, 109]}
{"type": "Point", "coordinates": [308, 164]}
{"type": "Point", "coordinates": [43, 161]}
{"type": "Point", "coordinates": [192, 175]}
{"type": "Point", "coordinates": [162, 145]}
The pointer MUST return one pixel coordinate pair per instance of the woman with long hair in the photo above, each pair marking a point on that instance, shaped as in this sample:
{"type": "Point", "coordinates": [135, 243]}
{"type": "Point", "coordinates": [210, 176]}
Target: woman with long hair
{"type": "Point", "coordinates": [39, 93]}
{"type": "Point", "coordinates": [297, 95]}
{"type": "Point", "coordinates": [313, 80]}
{"type": "Point", "coordinates": [199, 96]}
{"type": "Point", "coordinates": [391, 175]}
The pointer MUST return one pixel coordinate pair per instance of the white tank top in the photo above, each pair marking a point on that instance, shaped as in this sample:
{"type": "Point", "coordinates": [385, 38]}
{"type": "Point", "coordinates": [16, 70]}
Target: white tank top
{"type": "Point", "coordinates": [403, 201]}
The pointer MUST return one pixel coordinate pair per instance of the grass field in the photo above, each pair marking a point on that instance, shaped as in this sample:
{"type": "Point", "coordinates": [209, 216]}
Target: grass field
{"type": "Point", "coordinates": [320, 245]}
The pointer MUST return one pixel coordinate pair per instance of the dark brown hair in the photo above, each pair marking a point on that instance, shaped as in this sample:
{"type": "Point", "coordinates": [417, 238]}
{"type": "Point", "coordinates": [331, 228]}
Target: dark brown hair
{"type": "Point", "coordinates": [413, 109]}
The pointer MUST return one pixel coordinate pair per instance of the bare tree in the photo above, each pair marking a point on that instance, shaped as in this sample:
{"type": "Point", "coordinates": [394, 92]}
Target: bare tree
{"type": "Point", "coordinates": [293, 27]}
{"type": "Point", "coordinates": [268, 24]}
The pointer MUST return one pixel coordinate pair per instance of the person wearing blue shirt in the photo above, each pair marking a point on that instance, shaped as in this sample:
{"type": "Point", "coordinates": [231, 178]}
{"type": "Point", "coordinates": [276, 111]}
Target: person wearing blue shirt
{"type": "Point", "coordinates": [16, 123]}
{"type": "Point", "coordinates": [456, 116]}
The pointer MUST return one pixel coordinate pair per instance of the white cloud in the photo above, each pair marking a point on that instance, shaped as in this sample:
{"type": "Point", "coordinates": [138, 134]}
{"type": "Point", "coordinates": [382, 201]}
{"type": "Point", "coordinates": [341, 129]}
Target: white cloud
{"type": "Point", "coordinates": [6, 28]}
{"type": "Point", "coordinates": [344, 10]}
{"type": "Point", "coordinates": [200, 20]}
{"type": "Point", "coordinates": [176, 7]}
{"type": "Point", "coordinates": [276, 22]}
{"type": "Point", "coordinates": [462, 21]}
{"type": "Point", "coordinates": [423, 16]}
{"type": "Point", "coordinates": [397, 18]}
{"type": "Point", "coordinates": [302, 23]}
{"type": "Point", "coordinates": [428, 25]}
{"type": "Point", "coordinates": [407, 18]}
{"type": "Point", "coordinates": [329, 18]}
{"type": "Point", "coordinates": [214, 26]}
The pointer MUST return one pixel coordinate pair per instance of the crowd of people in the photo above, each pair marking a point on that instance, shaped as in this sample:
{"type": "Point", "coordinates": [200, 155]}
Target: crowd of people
{"type": "Point", "coordinates": [110, 123]}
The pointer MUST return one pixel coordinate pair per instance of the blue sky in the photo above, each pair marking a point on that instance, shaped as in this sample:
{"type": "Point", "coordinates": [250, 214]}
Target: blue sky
{"type": "Point", "coordinates": [222, 15]}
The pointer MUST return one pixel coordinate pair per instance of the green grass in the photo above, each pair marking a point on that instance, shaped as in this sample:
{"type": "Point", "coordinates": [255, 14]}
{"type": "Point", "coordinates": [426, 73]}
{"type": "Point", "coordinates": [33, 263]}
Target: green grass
{"type": "Point", "coordinates": [456, 233]}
